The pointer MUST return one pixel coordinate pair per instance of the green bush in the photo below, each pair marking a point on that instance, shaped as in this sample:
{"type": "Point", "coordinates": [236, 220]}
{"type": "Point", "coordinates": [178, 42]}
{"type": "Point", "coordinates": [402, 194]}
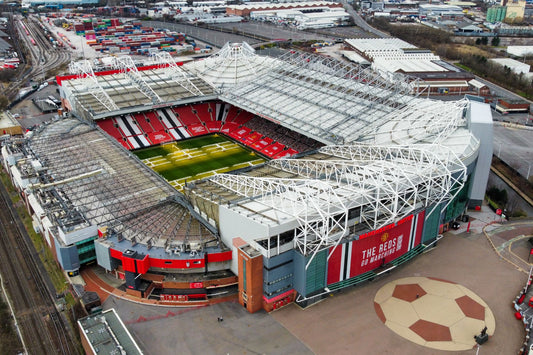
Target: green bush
{"type": "Point", "coordinates": [498, 196]}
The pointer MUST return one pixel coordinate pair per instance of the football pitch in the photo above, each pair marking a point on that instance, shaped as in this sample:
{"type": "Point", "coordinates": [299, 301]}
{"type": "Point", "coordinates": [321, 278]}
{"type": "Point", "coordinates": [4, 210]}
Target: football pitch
{"type": "Point", "coordinates": [197, 158]}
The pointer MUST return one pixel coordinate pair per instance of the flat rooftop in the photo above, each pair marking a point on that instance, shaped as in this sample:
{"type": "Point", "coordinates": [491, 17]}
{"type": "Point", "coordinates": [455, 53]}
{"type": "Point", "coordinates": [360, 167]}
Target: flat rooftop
{"type": "Point", "coordinates": [106, 334]}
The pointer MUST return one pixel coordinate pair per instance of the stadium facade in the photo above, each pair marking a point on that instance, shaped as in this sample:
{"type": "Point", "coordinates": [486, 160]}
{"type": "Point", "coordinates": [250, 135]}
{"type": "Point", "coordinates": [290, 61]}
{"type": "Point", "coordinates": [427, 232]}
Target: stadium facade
{"type": "Point", "coordinates": [362, 175]}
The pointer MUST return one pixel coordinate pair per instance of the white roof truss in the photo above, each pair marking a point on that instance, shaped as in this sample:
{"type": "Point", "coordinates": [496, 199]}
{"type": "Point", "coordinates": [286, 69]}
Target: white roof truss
{"type": "Point", "coordinates": [386, 182]}
{"type": "Point", "coordinates": [126, 65]}
{"type": "Point", "coordinates": [164, 59]}
{"type": "Point", "coordinates": [84, 69]}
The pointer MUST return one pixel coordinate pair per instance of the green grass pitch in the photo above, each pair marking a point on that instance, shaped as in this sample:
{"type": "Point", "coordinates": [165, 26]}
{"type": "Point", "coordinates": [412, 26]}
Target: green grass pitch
{"type": "Point", "coordinates": [197, 158]}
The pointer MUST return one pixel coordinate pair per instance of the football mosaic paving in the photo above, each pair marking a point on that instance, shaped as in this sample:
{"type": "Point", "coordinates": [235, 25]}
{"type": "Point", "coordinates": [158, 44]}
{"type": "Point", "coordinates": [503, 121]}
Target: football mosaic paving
{"type": "Point", "coordinates": [432, 312]}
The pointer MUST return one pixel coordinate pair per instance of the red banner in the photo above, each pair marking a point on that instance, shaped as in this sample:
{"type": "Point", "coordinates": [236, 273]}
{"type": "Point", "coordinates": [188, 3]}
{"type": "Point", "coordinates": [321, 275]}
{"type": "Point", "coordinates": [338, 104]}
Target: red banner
{"type": "Point", "coordinates": [372, 252]}
{"type": "Point", "coordinates": [374, 249]}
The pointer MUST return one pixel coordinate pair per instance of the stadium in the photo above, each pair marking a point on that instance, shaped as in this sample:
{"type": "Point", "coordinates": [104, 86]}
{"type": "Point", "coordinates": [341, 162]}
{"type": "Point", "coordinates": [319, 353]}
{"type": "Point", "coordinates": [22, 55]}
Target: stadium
{"type": "Point", "coordinates": [288, 178]}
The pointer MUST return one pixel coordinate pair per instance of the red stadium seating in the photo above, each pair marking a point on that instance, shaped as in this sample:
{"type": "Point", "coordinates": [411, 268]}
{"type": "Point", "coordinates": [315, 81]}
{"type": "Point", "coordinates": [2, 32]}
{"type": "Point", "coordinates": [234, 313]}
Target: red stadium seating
{"type": "Point", "coordinates": [213, 126]}
{"type": "Point", "coordinates": [232, 113]}
{"type": "Point", "coordinates": [292, 151]}
{"type": "Point", "coordinates": [251, 138]}
{"type": "Point", "coordinates": [154, 121]}
{"type": "Point", "coordinates": [273, 149]}
{"type": "Point", "coordinates": [213, 107]}
{"type": "Point", "coordinates": [243, 117]}
{"type": "Point", "coordinates": [127, 126]}
{"type": "Point", "coordinates": [285, 153]}
{"type": "Point", "coordinates": [139, 141]}
{"type": "Point", "coordinates": [186, 116]}
{"type": "Point", "coordinates": [144, 129]}
{"type": "Point", "coordinates": [203, 112]}
{"type": "Point", "coordinates": [239, 133]}
{"type": "Point", "coordinates": [261, 144]}
{"type": "Point", "coordinates": [197, 130]}
{"type": "Point", "coordinates": [109, 126]}
{"type": "Point", "coordinates": [228, 127]}
{"type": "Point", "coordinates": [160, 137]}
{"type": "Point", "coordinates": [141, 121]}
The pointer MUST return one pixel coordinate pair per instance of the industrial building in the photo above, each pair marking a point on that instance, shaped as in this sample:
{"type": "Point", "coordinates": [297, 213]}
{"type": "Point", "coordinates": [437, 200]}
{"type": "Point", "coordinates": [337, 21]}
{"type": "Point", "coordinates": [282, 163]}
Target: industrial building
{"type": "Point", "coordinates": [57, 3]}
{"type": "Point", "coordinates": [514, 65]}
{"type": "Point", "coordinates": [246, 9]}
{"type": "Point", "coordinates": [366, 174]}
{"type": "Point", "coordinates": [434, 76]}
{"type": "Point", "coordinates": [305, 17]}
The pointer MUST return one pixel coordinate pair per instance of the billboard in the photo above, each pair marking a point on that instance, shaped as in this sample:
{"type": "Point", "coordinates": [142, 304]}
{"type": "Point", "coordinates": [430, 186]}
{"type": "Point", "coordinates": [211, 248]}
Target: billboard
{"type": "Point", "coordinates": [374, 249]}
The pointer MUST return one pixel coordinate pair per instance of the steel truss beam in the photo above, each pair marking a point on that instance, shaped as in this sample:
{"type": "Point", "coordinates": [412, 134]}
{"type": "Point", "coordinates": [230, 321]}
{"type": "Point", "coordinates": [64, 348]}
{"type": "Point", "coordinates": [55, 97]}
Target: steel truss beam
{"type": "Point", "coordinates": [126, 65]}
{"type": "Point", "coordinates": [387, 183]}
{"type": "Point", "coordinates": [84, 70]}
{"type": "Point", "coordinates": [233, 62]}
{"type": "Point", "coordinates": [378, 186]}
{"type": "Point", "coordinates": [320, 212]}
{"type": "Point", "coordinates": [164, 59]}
{"type": "Point", "coordinates": [69, 148]}
{"type": "Point", "coordinates": [440, 171]}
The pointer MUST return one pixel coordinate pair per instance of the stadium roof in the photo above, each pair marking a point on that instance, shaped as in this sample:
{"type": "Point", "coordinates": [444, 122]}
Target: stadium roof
{"type": "Point", "coordinates": [335, 102]}
{"type": "Point", "coordinates": [92, 94]}
{"type": "Point", "coordinates": [235, 63]}
{"type": "Point", "coordinates": [87, 180]}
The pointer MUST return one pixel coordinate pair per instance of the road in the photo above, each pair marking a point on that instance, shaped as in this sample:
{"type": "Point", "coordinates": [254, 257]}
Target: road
{"type": "Point", "coordinates": [255, 32]}
{"type": "Point", "coordinates": [211, 37]}
{"type": "Point", "coordinates": [360, 22]}
{"type": "Point", "coordinates": [499, 91]}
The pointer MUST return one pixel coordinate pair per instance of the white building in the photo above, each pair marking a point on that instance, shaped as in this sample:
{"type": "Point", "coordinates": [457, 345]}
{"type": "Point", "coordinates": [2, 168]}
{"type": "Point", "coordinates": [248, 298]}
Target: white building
{"type": "Point", "coordinates": [515, 66]}
{"type": "Point", "coordinates": [520, 51]}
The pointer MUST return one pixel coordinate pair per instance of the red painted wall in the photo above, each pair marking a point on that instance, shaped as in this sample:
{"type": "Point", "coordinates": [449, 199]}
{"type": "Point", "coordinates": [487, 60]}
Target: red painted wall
{"type": "Point", "coordinates": [145, 264]}
{"type": "Point", "coordinates": [62, 78]}
{"type": "Point", "coordinates": [217, 257]}
{"type": "Point", "coordinates": [128, 264]}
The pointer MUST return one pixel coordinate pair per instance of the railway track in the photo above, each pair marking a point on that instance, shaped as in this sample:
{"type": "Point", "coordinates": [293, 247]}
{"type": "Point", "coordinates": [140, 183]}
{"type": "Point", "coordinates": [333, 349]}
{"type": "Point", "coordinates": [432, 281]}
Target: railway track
{"type": "Point", "coordinates": [42, 56]}
{"type": "Point", "coordinates": [42, 327]}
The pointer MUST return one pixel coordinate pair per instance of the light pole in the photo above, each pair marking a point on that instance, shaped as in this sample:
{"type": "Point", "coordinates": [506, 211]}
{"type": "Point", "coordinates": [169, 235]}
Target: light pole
{"type": "Point", "coordinates": [528, 171]}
